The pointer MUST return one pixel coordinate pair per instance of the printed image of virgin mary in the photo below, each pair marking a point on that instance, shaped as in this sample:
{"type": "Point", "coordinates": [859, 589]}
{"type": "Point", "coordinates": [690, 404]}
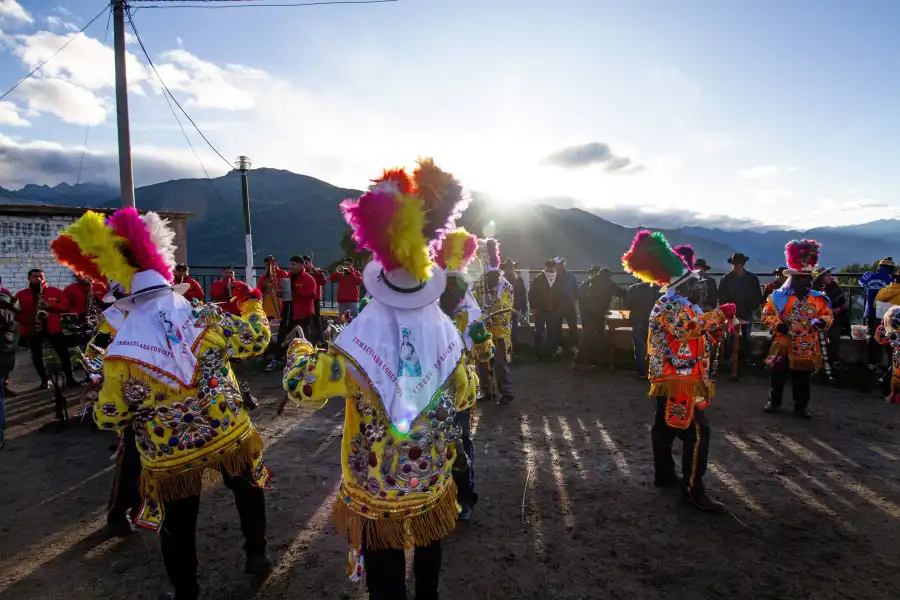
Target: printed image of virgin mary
{"type": "Point", "coordinates": [409, 360]}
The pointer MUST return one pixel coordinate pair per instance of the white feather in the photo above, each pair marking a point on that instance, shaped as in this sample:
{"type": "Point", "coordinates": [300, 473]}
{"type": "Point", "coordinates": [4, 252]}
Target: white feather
{"type": "Point", "coordinates": [162, 235]}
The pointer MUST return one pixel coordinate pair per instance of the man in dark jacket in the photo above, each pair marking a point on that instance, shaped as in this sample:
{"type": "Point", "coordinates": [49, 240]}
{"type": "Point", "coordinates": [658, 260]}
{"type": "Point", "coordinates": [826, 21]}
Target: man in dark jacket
{"type": "Point", "coordinates": [564, 299]}
{"type": "Point", "coordinates": [741, 288]}
{"type": "Point", "coordinates": [539, 297]}
{"type": "Point", "coordinates": [639, 300]}
{"type": "Point", "coordinates": [9, 307]}
{"type": "Point", "coordinates": [712, 291]}
{"type": "Point", "coordinates": [595, 297]}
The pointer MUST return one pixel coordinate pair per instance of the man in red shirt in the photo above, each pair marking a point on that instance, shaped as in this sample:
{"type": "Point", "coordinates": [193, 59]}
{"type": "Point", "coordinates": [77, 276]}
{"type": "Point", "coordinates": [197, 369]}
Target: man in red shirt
{"type": "Point", "coordinates": [36, 325]}
{"type": "Point", "coordinates": [305, 294]}
{"type": "Point", "coordinates": [222, 291]}
{"type": "Point", "coordinates": [84, 296]}
{"type": "Point", "coordinates": [320, 278]}
{"type": "Point", "coordinates": [348, 280]}
{"type": "Point", "coordinates": [182, 275]}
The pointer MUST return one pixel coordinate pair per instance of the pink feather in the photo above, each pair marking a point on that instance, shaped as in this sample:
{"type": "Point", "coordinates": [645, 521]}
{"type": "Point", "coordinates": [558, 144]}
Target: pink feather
{"type": "Point", "coordinates": [470, 247]}
{"type": "Point", "coordinates": [801, 254]}
{"type": "Point", "coordinates": [370, 217]}
{"type": "Point", "coordinates": [686, 251]}
{"type": "Point", "coordinates": [127, 223]}
{"type": "Point", "coordinates": [493, 252]}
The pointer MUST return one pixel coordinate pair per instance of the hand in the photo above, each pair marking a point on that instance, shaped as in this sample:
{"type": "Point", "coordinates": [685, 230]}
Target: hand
{"type": "Point", "coordinates": [281, 404]}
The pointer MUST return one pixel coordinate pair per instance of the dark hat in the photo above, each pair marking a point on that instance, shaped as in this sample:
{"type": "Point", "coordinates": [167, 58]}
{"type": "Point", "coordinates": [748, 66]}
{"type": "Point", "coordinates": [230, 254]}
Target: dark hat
{"type": "Point", "coordinates": [510, 263]}
{"type": "Point", "coordinates": [701, 264]}
{"type": "Point", "coordinates": [738, 258]}
{"type": "Point", "coordinates": [181, 266]}
{"type": "Point", "coordinates": [818, 273]}
{"type": "Point", "coordinates": [779, 271]}
{"type": "Point", "coordinates": [887, 262]}
{"type": "Point", "coordinates": [269, 258]}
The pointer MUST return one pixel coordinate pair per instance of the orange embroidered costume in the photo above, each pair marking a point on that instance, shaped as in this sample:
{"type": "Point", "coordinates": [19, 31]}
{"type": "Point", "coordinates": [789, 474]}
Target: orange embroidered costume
{"type": "Point", "coordinates": [680, 342]}
{"type": "Point", "coordinates": [798, 317]}
{"type": "Point", "coordinates": [888, 334]}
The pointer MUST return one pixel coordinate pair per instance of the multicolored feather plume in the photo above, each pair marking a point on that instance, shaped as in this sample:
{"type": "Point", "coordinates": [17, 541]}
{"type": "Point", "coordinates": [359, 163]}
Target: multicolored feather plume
{"type": "Point", "coordinates": [442, 196]}
{"type": "Point", "coordinates": [162, 235]}
{"type": "Point", "coordinates": [652, 259]}
{"type": "Point", "coordinates": [370, 218]}
{"type": "Point", "coordinates": [128, 224]}
{"type": "Point", "coordinates": [397, 178]}
{"type": "Point", "coordinates": [802, 255]}
{"type": "Point", "coordinates": [99, 241]}
{"type": "Point", "coordinates": [492, 248]}
{"type": "Point", "coordinates": [68, 253]}
{"type": "Point", "coordinates": [456, 251]}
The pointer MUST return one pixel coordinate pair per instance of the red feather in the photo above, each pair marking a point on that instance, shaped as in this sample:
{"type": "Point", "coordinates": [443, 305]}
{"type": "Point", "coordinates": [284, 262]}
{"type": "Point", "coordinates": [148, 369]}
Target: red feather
{"type": "Point", "coordinates": [68, 253]}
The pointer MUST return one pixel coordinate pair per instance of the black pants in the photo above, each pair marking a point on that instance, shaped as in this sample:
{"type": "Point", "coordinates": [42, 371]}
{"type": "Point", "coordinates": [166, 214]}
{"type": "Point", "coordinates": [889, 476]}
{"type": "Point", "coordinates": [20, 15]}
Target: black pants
{"type": "Point", "coordinates": [126, 483]}
{"type": "Point", "coordinates": [178, 535]}
{"type": "Point", "coordinates": [694, 453]}
{"type": "Point", "coordinates": [570, 316]}
{"type": "Point", "coordinates": [58, 342]}
{"type": "Point", "coordinates": [464, 470]}
{"type": "Point", "coordinates": [800, 385]}
{"type": "Point", "coordinates": [593, 340]}
{"type": "Point", "coordinates": [276, 348]}
{"type": "Point", "coordinates": [386, 573]}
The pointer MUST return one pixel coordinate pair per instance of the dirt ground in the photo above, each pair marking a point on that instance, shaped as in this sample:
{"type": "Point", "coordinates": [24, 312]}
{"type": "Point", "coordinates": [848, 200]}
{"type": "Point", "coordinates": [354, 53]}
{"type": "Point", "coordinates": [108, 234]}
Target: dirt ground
{"type": "Point", "coordinates": [815, 505]}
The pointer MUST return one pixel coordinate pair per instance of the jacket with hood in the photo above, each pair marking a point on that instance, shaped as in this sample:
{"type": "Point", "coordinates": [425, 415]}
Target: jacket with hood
{"type": "Point", "coordinates": [873, 282]}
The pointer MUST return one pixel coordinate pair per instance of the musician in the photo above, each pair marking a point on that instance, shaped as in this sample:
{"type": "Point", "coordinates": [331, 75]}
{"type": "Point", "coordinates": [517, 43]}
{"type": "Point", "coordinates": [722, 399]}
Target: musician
{"type": "Point", "coordinates": [8, 393]}
{"type": "Point", "coordinates": [40, 320]}
{"type": "Point", "coordinates": [85, 297]}
{"type": "Point", "coordinates": [319, 276]}
{"type": "Point", "coordinates": [497, 295]}
{"type": "Point", "coordinates": [270, 286]}
{"type": "Point", "coordinates": [222, 291]}
{"type": "Point", "coordinates": [181, 275]}
{"type": "Point", "coordinates": [9, 306]}
{"type": "Point", "coordinates": [348, 280]}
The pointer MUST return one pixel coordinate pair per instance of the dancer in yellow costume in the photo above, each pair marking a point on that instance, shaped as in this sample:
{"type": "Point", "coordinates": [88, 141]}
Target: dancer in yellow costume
{"type": "Point", "coordinates": [401, 365]}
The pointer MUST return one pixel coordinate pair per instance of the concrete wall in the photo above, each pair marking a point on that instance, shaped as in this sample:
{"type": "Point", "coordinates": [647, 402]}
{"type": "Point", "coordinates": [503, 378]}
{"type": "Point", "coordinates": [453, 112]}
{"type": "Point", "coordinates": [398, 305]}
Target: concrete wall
{"type": "Point", "coordinates": [25, 235]}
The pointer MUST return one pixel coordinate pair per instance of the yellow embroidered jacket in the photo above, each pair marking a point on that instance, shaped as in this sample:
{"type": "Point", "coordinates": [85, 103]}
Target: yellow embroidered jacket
{"type": "Point", "coordinates": [500, 326]}
{"type": "Point", "coordinates": [801, 345]}
{"type": "Point", "coordinates": [892, 340]}
{"type": "Point", "coordinates": [396, 488]}
{"type": "Point", "coordinates": [187, 435]}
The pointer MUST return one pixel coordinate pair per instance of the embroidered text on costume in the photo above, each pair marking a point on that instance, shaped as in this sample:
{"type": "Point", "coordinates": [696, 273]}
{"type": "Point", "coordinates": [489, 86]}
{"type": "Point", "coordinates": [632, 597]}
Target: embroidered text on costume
{"type": "Point", "coordinates": [378, 361]}
{"type": "Point", "coordinates": [444, 355]}
{"type": "Point", "coordinates": [147, 347]}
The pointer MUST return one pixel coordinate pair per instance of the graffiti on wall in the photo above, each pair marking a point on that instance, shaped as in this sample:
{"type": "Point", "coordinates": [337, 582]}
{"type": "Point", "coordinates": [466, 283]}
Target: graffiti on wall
{"type": "Point", "coordinates": [27, 237]}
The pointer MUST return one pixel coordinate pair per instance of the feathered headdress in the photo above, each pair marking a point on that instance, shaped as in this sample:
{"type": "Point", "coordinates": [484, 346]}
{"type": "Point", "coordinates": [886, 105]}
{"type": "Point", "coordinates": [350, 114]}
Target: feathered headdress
{"type": "Point", "coordinates": [492, 248]}
{"type": "Point", "coordinates": [400, 216]}
{"type": "Point", "coordinates": [653, 260]}
{"type": "Point", "coordinates": [802, 257]}
{"type": "Point", "coordinates": [118, 248]}
{"type": "Point", "coordinates": [686, 252]}
{"type": "Point", "coordinates": [456, 251]}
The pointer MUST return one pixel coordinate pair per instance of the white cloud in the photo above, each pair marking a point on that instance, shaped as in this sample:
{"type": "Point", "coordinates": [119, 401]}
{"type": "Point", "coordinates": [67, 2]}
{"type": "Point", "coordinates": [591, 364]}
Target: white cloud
{"type": "Point", "coordinates": [129, 38]}
{"type": "Point", "coordinates": [59, 23]}
{"type": "Point", "coordinates": [209, 85]}
{"type": "Point", "coordinates": [66, 100]}
{"type": "Point", "coordinates": [765, 171]}
{"type": "Point", "coordinates": [10, 10]}
{"type": "Point", "coordinates": [9, 115]}
{"type": "Point", "coordinates": [863, 204]}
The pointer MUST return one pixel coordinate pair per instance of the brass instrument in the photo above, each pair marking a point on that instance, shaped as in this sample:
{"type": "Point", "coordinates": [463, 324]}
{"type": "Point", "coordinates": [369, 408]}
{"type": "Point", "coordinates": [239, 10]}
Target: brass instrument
{"type": "Point", "coordinates": [332, 330]}
{"type": "Point", "coordinates": [272, 290]}
{"type": "Point", "coordinates": [40, 312]}
{"type": "Point", "coordinates": [91, 309]}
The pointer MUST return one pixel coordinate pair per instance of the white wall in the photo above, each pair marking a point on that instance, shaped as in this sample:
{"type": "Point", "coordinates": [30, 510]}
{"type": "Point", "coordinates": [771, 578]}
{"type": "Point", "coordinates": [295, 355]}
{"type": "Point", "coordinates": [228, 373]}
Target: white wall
{"type": "Point", "coordinates": [25, 245]}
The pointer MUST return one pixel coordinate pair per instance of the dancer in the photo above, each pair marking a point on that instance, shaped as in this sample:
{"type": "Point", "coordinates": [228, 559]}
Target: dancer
{"type": "Point", "coordinates": [496, 297]}
{"type": "Point", "coordinates": [9, 307]}
{"type": "Point", "coordinates": [681, 336]}
{"type": "Point", "coordinates": [400, 433]}
{"type": "Point", "coordinates": [454, 254]}
{"type": "Point", "coordinates": [168, 375]}
{"type": "Point", "coordinates": [798, 316]}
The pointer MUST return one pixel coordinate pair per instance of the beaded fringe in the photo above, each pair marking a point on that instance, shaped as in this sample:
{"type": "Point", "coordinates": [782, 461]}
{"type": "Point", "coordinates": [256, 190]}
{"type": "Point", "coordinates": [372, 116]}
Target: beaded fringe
{"type": "Point", "coordinates": [192, 481]}
{"type": "Point", "coordinates": [692, 389]}
{"type": "Point", "coordinates": [381, 534]}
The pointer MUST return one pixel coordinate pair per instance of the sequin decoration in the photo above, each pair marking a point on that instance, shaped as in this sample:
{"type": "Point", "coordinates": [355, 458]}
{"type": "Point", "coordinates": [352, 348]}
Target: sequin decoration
{"type": "Point", "coordinates": [189, 422]}
{"type": "Point", "coordinates": [135, 392]}
{"type": "Point", "coordinates": [216, 383]}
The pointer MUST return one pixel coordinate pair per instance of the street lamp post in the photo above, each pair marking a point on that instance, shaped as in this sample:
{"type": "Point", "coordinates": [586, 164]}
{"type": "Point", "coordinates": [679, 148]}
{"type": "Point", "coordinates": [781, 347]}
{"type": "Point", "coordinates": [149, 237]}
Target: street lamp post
{"type": "Point", "coordinates": [242, 164]}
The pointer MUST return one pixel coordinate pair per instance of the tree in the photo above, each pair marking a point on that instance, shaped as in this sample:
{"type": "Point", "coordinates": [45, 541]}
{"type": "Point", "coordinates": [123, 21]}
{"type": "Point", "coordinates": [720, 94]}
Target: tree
{"type": "Point", "coordinates": [348, 245]}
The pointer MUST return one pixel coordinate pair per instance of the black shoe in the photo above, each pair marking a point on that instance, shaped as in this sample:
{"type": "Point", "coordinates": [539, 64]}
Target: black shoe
{"type": "Point", "coordinates": [803, 413]}
{"type": "Point", "coordinates": [667, 482]}
{"type": "Point", "coordinates": [120, 528]}
{"type": "Point", "coordinates": [258, 566]}
{"type": "Point", "coordinates": [702, 501]}
{"type": "Point", "coordinates": [771, 408]}
{"type": "Point", "coordinates": [467, 512]}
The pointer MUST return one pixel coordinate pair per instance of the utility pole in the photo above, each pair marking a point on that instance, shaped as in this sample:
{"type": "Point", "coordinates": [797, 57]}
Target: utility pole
{"type": "Point", "coordinates": [126, 176]}
{"type": "Point", "coordinates": [243, 165]}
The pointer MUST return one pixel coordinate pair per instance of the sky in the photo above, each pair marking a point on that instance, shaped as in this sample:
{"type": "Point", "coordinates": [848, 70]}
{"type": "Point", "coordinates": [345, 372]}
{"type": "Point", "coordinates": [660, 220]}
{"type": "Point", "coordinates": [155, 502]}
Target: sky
{"type": "Point", "coordinates": [713, 113]}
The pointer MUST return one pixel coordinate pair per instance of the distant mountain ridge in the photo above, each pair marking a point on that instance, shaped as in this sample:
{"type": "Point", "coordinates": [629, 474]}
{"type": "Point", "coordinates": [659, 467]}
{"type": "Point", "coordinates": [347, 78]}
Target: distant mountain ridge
{"type": "Point", "coordinates": [298, 214]}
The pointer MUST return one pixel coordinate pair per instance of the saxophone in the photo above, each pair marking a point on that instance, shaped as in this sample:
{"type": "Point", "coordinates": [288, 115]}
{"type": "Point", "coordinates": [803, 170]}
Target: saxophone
{"type": "Point", "coordinates": [91, 310]}
{"type": "Point", "coordinates": [40, 312]}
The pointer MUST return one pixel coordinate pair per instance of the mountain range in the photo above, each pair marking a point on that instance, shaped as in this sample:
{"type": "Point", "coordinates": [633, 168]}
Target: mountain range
{"type": "Point", "coordinates": [298, 214]}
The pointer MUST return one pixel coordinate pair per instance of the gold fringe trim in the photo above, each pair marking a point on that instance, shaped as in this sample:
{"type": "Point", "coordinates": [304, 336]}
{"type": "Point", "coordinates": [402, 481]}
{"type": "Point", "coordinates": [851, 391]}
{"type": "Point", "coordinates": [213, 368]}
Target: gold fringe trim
{"type": "Point", "coordinates": [692, 389]}
{"type": "Point", "coordinates": [414, 531]}
{"type": "Point", "coordinates": [192, 481]}
{"type": "Point", "coordinates": [806, 364]}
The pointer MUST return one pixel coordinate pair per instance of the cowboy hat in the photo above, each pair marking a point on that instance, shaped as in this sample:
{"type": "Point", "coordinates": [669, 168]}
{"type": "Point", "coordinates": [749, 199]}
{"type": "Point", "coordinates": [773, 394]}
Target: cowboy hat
{"type": "Point", "coordinates": [397, 288]}
{"type": "Point", "coordinates": [510, 263]}
{"type": "Point", "coordinates": [738, 258]}
{"type": "Point", "coordinates": [820, 272]}
{"type": "Point", "coordinates": [148, 284]}
{"type": "Point", "coordinates": [701, 264]}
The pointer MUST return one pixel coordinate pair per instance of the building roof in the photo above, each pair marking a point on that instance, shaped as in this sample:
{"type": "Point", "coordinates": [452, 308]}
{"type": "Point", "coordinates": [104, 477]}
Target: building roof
{"type": "Point", "coordinates": [51, 210]}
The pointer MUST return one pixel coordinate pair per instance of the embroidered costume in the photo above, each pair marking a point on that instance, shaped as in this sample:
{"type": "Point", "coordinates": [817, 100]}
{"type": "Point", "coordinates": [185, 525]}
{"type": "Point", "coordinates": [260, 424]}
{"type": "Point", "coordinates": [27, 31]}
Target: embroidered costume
{"type": "Point", "coordinates": [681, 339]}
{"type": "Point", "coordinates": [495, 296]}
{"type": "Point", "coordinates": [798, 317]}
{"type": "Point", "coordinates": [888, 334]}
{"type": "Point", "coordinates": [400, 431]}
{"type": "Point", "coordinates": [167, 375]}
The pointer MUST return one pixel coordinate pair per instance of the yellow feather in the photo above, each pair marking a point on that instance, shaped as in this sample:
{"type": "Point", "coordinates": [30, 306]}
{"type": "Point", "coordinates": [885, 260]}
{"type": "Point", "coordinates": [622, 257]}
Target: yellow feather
{"type": "Point", "coordinates": [453, 248]}
{"type": "Point", "coordinates": [98, 240]}
{"type": "Point", "coordinates": [408, 243]}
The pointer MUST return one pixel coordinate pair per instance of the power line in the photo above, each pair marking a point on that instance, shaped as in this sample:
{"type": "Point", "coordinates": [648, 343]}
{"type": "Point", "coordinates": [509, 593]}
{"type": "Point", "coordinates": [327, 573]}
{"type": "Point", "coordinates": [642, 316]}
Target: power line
{"type": "Point", "coordinates": [52, 56]}
{"type": "Point", "coordinates": [87, 131]}
{"type": "Point", "coordinates": [167, 91]}
{"type": "Point", "coordinates": [216, 4]}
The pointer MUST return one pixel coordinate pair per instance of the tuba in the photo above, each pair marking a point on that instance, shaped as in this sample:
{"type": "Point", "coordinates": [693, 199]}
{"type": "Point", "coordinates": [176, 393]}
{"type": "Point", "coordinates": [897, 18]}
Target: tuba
{"type": "Point", "coordinates": [40, 312]}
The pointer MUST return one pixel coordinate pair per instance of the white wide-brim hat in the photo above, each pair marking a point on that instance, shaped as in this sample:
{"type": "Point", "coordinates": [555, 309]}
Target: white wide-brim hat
{"type": "Point", "coordinates": [399, 289]}
{"type": "Point", "coordinates": [147, 284]}
{"type": "Point", "coordinates": [792, 272]}
{"type": "Point", "coordinates": [110, 296]}
{"type": "Point", "coordinates": [677, 281]}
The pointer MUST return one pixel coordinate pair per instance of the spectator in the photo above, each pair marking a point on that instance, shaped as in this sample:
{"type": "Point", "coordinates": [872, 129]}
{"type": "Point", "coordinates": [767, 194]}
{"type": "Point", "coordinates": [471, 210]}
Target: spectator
{"type": "Point", "coordinates": [195, 292]}
{"type": "Point", "coordinates": [9, 307]}
{"type": "Point", "coordinates": [305, 293]}
{"type": "Point", "coordinates": [315, 331]}
{"type": "Point", "coordinates": [45, 323]}
{"type": "Point", "coordinates": [77, 294]}
{"type": "Point", "coordinates": [595, 297]}
{"type": "Point", "coordinates": [564, 300]}
{"type": "Point", "coordinates": [640, 299]}
{"type": "Point", "coordinates": [712, 289]}
{"type": "Point", "coordinates": [520, 299]}
{"type": "Point", "coordinates": [348, 280]}
{"type": "Point", "coordinates": [8, 393]}
{"type": "Point", "coordinates": [823, 281]}
{"type": "Point", "coordinates": [774, 284]}
{"type": "Point", "coordinates": [222, 291]}
{"type": "Point", "coordinates": [276, 349]}
{"type": "Point", "coordinates": [741, 288]}
{"type": "Point", "coordinates": [539, 297]}
{"type": "Point", "coordinates": [873, 281]}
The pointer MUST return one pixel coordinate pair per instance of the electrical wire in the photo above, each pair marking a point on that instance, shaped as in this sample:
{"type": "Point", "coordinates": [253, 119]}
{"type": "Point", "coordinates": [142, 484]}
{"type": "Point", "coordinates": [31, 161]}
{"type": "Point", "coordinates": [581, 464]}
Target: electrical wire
{"type": "Point", "coordinates": [52, 56]}
{"type": "Point", "coordinates": [217, 4]}
{"type": "Point", "coordinates": [88, 130]}
{"type": "Point", "coordinates": [167, 91]}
